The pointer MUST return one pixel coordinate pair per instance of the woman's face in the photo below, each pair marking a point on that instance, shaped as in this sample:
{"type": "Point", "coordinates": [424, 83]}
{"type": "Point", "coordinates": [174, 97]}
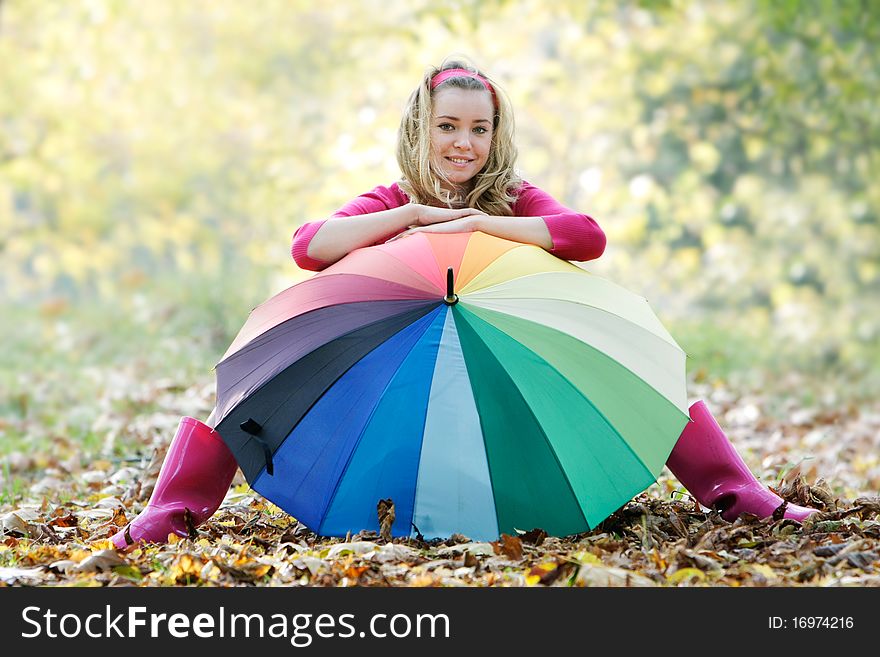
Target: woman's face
{"type": "Point", "coordinates": [461, 132]}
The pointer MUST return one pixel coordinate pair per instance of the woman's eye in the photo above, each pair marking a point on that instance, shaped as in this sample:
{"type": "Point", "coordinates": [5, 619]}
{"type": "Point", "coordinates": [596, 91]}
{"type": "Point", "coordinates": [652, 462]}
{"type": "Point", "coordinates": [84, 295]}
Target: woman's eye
{"type": "Point", "coordinates": [446, 126]}
{"type": "Point", "coordinates": [480, 130]}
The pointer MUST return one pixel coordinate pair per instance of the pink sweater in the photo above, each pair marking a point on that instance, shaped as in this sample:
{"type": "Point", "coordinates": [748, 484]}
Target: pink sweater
{"type": "Point", "coordinates": [575, 236]}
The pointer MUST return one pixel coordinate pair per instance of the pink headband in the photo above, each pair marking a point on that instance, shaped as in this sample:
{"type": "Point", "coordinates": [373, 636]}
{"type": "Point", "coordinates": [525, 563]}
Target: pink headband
{"type": "Point", "coordinates": [443, 76]}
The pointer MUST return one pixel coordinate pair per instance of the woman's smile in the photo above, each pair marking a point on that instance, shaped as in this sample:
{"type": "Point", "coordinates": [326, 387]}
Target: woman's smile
{"type": "Point", "coordinates": [461, 162]}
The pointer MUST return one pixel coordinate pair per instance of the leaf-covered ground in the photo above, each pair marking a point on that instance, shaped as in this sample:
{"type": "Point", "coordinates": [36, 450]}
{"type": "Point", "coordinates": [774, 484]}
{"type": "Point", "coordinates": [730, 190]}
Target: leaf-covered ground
{"type": "Point", "coordinates": [60, 503]}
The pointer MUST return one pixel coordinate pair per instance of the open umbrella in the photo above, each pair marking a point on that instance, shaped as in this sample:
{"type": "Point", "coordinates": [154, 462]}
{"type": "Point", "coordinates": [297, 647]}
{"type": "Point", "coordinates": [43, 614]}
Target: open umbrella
{"type": "Point", "coordinates": [483, 385]}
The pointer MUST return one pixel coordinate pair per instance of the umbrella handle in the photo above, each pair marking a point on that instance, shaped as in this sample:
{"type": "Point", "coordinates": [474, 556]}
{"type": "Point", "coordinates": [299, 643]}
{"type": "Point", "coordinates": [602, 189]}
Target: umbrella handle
{"type": "Point", "coordinates": [451, 297]}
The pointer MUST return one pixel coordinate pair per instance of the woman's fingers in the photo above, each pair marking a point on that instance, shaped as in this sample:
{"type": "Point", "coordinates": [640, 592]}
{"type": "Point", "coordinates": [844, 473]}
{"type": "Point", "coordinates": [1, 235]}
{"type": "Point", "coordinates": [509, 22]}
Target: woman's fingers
{"type": "Point", "coordinates": [430, 215]}
{"type": "Point", "coordinates": [458, 225]}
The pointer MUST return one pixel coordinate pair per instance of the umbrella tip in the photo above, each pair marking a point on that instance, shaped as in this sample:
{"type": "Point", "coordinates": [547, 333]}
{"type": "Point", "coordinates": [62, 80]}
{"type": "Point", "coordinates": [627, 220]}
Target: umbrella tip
{"type": "Point", "coordinates": [451, 297]}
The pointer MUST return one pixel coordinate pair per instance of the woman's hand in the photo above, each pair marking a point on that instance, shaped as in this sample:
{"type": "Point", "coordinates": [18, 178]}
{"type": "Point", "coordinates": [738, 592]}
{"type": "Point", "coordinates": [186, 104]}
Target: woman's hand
{"type": "Point", "coordinates": [426, 215]}
{"type": "Point", "coordinates": [527, 230]}
{"type": "Point", "coordinates": [339, 236]}
{"type": "Point", "coordinates": [466, 224]}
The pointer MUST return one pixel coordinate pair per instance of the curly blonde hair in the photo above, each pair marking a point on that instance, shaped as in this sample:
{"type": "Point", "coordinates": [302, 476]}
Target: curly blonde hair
{"type": "Point", "coordinates": [493, 188]}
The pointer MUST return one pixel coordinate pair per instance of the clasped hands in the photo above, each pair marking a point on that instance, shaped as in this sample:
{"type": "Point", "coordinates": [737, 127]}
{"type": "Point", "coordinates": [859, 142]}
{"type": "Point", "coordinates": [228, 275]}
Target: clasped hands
{"type": "Point", "coordinates": [428, 219]}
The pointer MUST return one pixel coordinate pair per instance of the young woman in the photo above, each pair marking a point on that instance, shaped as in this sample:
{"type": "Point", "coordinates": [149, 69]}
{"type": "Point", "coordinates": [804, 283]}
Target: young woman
{"type": "Point", "coordinates": [456, 153]}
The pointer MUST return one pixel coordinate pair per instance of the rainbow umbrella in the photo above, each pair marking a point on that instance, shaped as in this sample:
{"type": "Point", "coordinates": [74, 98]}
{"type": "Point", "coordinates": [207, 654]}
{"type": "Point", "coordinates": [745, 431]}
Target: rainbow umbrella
{"type": "Point", "coordinates": [483, 385]}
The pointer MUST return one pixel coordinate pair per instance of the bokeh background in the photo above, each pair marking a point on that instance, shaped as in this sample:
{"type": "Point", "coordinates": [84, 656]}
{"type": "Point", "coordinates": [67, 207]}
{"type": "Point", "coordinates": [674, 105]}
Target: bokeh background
{"type": "Point", "coordinates": [155, 159]}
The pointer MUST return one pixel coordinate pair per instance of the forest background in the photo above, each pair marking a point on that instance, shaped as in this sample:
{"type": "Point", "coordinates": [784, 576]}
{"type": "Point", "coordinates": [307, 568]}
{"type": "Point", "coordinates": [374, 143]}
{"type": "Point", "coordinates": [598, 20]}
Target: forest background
{"type": "Point", "coordinates": [156, 158]}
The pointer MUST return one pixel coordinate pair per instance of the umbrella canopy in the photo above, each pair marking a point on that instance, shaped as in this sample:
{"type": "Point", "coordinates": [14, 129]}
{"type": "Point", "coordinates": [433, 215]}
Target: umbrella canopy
{"type": "Point", "coordinates": [483, 385]}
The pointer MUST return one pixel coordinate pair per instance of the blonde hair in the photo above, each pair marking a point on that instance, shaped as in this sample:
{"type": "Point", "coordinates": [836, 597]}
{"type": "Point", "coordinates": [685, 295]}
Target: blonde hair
{"type": "Point", "coordinates": [492, 189]}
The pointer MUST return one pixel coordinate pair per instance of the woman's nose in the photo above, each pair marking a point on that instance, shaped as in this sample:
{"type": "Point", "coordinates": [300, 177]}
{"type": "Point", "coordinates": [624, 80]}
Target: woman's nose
{"type": "Point", "coordinates": [462, 140]}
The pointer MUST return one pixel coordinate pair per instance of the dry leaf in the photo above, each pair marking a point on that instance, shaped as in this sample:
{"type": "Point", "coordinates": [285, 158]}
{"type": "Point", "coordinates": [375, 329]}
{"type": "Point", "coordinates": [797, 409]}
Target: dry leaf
{"type": "Point", "coordinates": [63, 519]}
{"type": "Point", "coordinates": [100, 562]}
{"type": "Point", "coordinates": [356, 547]}
{"type": "Point", "coordinates": [11, 575]}
{"type": "Point", "coordinates": [509, 546]}
{"type": "Point", "coordinates": [478, 549]}
{"type": "Point", "coordinates": [186, 569]}
{"type": "Point", "coordinates": [12, 524]}
{"type": "Point", "coordinates": [385, 511]}
{"type": "Point", "coordinates": [544, 573]}
{"type": "Point", "coordinates": [685, 574]}
{"type": "Point", "coordinates": [534, 536]}
{"type": "Point", "coordinates": [593, 575]}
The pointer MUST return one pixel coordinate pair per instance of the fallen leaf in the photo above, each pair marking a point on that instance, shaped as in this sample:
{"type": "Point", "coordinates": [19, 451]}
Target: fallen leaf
{"type": "Point", "coordinates": [11, 575]}
{"type": "Point", "coordinates": [509, 546]}
{"type": "Point", "coordinates": [477, 549]}
{"type": "Point", "coordinates": [312, 564]}
{"type": "Point", "coordinates": [543, 573]}
{"type": "Point", "coordinates": [822, 492]}
{"type": "Point", "coordinates": [764, 570]}
{"type": "Point", "coordinates": [827, 526]}
{"type": "Point", "coordinates": [684, 574]}
{"type": "Point", "coordinates": [869, 504]}
{"type": "Point", "coordinates": [385, 511]}
{"type": "Point", "coordinates": [587, 558]}
{"type": "Point", "coordinates": [393, 552]}
{"type": "Point", "coordinates": [100, 562]}
{"type": "Point", "coordinates": [66, 520]}
{"type": "Point", "coordinates": [63, 566]}
{"type": "Point", "coordinates": [186, 569]}
{"type": "Point", "coordinates": [534, 536]}
{"type": "Point", "coordinates": [354, 572]}
{"type": "Point", "coordinates": [128, 572]}
{"type": "Point", "coordinates": [829, 550]}
{"type": "Point", "coordinates": [593, 575]}
{"type": "Point", "coordinates": [12, 523]}
{"type": "Point", "coordinates": [343, 549]}
{"type": "Point", "coordinates": [862, 560]}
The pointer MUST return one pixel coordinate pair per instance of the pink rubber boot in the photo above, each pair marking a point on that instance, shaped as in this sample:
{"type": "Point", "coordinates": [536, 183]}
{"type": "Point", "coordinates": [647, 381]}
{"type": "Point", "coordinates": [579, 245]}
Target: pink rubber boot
{"type": "Point", "coordinates": [707, 464]}
{"type": "Point", "coordinates": [194, 478]}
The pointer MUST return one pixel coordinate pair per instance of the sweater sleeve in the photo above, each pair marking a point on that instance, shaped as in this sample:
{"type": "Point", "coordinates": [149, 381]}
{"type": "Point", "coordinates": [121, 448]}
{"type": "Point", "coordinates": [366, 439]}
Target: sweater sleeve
{"type": "Point", "coordinates": [299, 250]}
{"type": "Point", "coordinates": [376, 200]}
{"type": "Point", "coordinates": [575, 236]}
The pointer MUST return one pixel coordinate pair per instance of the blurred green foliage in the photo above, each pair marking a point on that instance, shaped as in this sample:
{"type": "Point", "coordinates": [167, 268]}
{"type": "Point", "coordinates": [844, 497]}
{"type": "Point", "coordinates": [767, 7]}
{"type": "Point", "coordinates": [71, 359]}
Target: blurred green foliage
{"type": "Point", "coordinates": [155, 158]}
